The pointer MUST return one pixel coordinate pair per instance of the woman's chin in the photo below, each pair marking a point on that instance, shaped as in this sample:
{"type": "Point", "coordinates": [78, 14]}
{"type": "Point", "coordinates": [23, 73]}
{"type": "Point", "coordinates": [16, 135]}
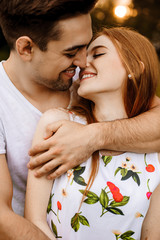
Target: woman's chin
{"type": "Point", "coordinates": [82, 94]}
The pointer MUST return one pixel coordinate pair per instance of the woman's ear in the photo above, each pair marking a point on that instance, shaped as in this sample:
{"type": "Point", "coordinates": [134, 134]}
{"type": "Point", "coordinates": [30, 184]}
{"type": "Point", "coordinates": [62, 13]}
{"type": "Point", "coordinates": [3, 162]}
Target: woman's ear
{"type": "Point", "coordinates": [24, 47]}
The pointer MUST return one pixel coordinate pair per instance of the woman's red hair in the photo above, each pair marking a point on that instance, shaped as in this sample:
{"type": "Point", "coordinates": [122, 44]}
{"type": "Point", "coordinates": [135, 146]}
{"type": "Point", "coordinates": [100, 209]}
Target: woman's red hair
{"type": "Point", "coordinates": [140, 59]}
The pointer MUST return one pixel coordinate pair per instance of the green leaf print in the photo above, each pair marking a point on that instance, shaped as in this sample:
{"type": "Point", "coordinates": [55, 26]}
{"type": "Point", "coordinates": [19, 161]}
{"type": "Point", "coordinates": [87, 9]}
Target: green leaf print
{"type": "Point", "coordinates": [128, 238]}
{"type": "Point", "coordinates": [79, 170]}
{"type": "Point", "coordinates": [104, 199]}
{"type": "Point", "coordinates": [136, 178]}
{"type": "Point", "coordinates": [91, 201]}
{"type": "Point", "coordinates": [80, 180]}
{"type": "Point", "coordinates": [128, 171]}
{"type": "Point", "coordinates": [83, 220]}
{"type": "Point", "coordinates": [75, 222]}
{"type": "Point", "coordinates": [106, 160]}
{"type": "Point", "coordinates": [124, 172]}
{"type": "Point", "coordinates": [77, 178]}
{"type": "Point", "coordinates": [128, 175]}
{"type": "Point", "coordinates": [91, 197]}
{"type": "Point", "coordinates": [49, 207]}
{"type": "Point", "coordinates": [115, 210]}
{"type": "Point", "coordinates": [89, 194]}
{"type": "Point", "coordinates": [122, 203]}
{"type": "Point", "coordinates": [108, 205]}
{"type": "Point", "coordinates": [54, 229]}
{"type": "Point", "coordinates": [126, 235]}
{"type": "Point", "coordinates": [117, 170]}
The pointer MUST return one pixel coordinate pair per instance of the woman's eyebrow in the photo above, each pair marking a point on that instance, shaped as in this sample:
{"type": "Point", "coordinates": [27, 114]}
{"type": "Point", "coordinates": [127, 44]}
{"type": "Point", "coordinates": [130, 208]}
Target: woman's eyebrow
{"type": "Point", "coordinates": [98, 46]}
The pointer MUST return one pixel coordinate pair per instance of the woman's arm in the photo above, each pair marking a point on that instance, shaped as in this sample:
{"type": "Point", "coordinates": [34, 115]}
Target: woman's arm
{"type": "Point", "coordinates": [151, 223]}
{"type": "Point", "coordinates": [38, 189]}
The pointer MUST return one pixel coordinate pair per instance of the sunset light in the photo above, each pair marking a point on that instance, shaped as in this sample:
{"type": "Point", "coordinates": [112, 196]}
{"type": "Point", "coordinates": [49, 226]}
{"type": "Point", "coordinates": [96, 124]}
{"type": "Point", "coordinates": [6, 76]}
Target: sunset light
{"type": "Point", "coordinates": [120, 11]}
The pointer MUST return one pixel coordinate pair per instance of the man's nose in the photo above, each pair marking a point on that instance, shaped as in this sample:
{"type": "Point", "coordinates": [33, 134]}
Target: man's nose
{"type": "Point", "coordinates": [81, 58]}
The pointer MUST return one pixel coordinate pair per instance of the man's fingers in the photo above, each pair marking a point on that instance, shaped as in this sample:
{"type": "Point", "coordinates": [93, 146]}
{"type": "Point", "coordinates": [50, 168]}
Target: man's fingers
{"type": "Point", "coordinates": [39, 160]}
{"type": "Point", "coordinates": [58, 172]}
{"type": "Point", "coordinates": [52, 128]}
{"type": "Point", "coordinates": [44, 157]}
{"type": "Point", "coordinates": [47, 168]}
{"type": "Point", "coordinates": [41, 147]}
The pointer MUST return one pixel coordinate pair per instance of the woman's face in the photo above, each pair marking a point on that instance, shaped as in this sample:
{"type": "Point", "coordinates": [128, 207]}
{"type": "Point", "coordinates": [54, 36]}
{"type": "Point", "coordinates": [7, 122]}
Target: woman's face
{"type": "Point", "coordinates": [104, 72]}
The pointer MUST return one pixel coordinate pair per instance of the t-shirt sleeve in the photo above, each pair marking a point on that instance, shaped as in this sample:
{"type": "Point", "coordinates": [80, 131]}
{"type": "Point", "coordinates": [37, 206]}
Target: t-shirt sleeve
{"type": "Point", "coordinates": [2, 139]}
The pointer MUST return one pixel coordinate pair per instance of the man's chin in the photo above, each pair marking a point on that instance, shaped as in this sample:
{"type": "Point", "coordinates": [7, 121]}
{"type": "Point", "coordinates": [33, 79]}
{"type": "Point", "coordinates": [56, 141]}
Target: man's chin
{"type": "Point", "coordinates": [61, 86]}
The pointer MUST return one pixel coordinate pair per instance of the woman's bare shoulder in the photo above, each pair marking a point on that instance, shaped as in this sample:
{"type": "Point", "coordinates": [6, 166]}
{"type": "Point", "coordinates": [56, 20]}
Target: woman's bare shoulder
{"type": "Point", "coordinates": [55, 114]}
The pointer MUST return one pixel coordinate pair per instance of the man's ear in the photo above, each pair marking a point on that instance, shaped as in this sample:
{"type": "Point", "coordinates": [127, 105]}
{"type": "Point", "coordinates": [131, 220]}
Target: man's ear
{"type": "Point", "coordinates": [24, 47]}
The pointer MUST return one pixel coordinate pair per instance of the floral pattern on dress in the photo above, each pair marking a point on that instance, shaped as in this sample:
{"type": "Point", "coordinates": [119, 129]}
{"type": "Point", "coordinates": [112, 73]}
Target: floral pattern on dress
{"type": "Point", "coordinates": [115, 205]}
{"type": "Point", "coordinates": [77, 219]}
{"type": "Point", "coordinates": [110, 198]}
{"type": "Point", "coordinates": [108, 204]}
{"type": "Point", "coordinates": [128, 170]}
{"type": "Point", "coordinates": [124, 236]}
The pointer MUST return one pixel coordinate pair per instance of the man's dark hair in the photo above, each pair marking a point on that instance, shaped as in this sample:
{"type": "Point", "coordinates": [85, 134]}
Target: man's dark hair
{"type": "Point", "coordinates": [38, 19]}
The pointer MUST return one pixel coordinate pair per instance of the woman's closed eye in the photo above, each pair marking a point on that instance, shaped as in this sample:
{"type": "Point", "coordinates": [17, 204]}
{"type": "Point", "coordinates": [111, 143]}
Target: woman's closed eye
{"type": "Point", "coordinates": [96, 55]}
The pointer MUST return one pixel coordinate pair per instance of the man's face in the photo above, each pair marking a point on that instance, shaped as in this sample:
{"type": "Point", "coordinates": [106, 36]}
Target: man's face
{"type": "Point", "coordinates": [55, 67]}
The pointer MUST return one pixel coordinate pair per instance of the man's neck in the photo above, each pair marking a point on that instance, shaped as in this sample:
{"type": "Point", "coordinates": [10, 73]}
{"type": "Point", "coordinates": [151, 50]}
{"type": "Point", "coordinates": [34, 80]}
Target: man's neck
{"type": "Point", "coordinates": [40, 97]}
{"type": "Point", "coordinates": [50, 100]}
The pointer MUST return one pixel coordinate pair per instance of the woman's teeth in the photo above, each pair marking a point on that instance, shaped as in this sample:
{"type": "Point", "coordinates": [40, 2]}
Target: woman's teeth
{"type": "Point", "coordinates": [87, 76]}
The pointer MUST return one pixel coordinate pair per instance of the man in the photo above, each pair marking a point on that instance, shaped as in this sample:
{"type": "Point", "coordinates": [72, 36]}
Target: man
{"type": "Point", "coordinates": [49, 42]}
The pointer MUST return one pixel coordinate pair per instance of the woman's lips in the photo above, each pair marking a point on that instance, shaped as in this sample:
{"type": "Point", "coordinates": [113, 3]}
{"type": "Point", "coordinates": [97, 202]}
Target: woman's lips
{"type": "Point", "coordinates": [86, 75]}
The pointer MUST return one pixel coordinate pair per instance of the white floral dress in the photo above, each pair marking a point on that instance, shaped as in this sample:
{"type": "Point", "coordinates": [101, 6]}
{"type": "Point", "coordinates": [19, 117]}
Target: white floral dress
{"type": "Point", "coordinates": [116, 204]}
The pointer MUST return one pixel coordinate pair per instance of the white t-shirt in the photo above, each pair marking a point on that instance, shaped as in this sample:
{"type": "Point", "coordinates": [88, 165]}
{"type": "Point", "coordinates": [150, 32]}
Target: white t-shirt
{"type": "Point", "coordinates": [18, 120]}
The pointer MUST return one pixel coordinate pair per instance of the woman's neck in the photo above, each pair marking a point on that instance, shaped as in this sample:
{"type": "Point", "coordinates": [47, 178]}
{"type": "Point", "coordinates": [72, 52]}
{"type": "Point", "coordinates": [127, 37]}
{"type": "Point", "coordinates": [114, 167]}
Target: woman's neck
{"type": "Point", "coordinates": [109, 107]}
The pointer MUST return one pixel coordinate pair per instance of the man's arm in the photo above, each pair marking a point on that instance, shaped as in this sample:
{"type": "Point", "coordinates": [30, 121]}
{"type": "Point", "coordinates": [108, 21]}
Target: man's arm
{"type": "Point", "coordinates": [13, 226]}
{"type": "Point", "coordinates": [73, 143]}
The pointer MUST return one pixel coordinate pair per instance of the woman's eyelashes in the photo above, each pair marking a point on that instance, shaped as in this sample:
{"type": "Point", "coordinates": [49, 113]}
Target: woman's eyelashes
{"type": "Point", "coordinates": [96, 55]}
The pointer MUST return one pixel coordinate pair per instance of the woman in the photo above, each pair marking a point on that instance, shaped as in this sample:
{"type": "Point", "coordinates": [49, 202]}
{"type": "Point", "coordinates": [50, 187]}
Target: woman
{"type": "Point", "coordinates": [108, 196]}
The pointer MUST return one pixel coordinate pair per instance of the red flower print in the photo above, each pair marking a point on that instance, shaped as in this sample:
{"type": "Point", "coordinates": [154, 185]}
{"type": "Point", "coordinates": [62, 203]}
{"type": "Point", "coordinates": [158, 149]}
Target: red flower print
{"type": "Point", "coordinates": [149, 167]}
{"type": "Point", "coordinates": [148, 194]}
{"type": "Point", "coordinates": [112, 187]}
{"type": "Point", "coordinates": [118, 197]}
{"type": "Point", "coordinates": [59, 206]}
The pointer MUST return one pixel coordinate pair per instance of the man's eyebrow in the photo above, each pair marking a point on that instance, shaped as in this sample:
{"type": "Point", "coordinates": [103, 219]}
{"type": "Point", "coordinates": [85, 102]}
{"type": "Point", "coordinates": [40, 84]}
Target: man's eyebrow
{"type": "Point", "coordinates": [75, 47]}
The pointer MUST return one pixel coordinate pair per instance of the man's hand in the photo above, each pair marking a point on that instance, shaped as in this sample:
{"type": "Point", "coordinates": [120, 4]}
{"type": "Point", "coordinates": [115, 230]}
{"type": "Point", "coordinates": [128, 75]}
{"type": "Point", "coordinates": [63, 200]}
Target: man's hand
{"type": "Point", "coordinates": [66, 144]}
